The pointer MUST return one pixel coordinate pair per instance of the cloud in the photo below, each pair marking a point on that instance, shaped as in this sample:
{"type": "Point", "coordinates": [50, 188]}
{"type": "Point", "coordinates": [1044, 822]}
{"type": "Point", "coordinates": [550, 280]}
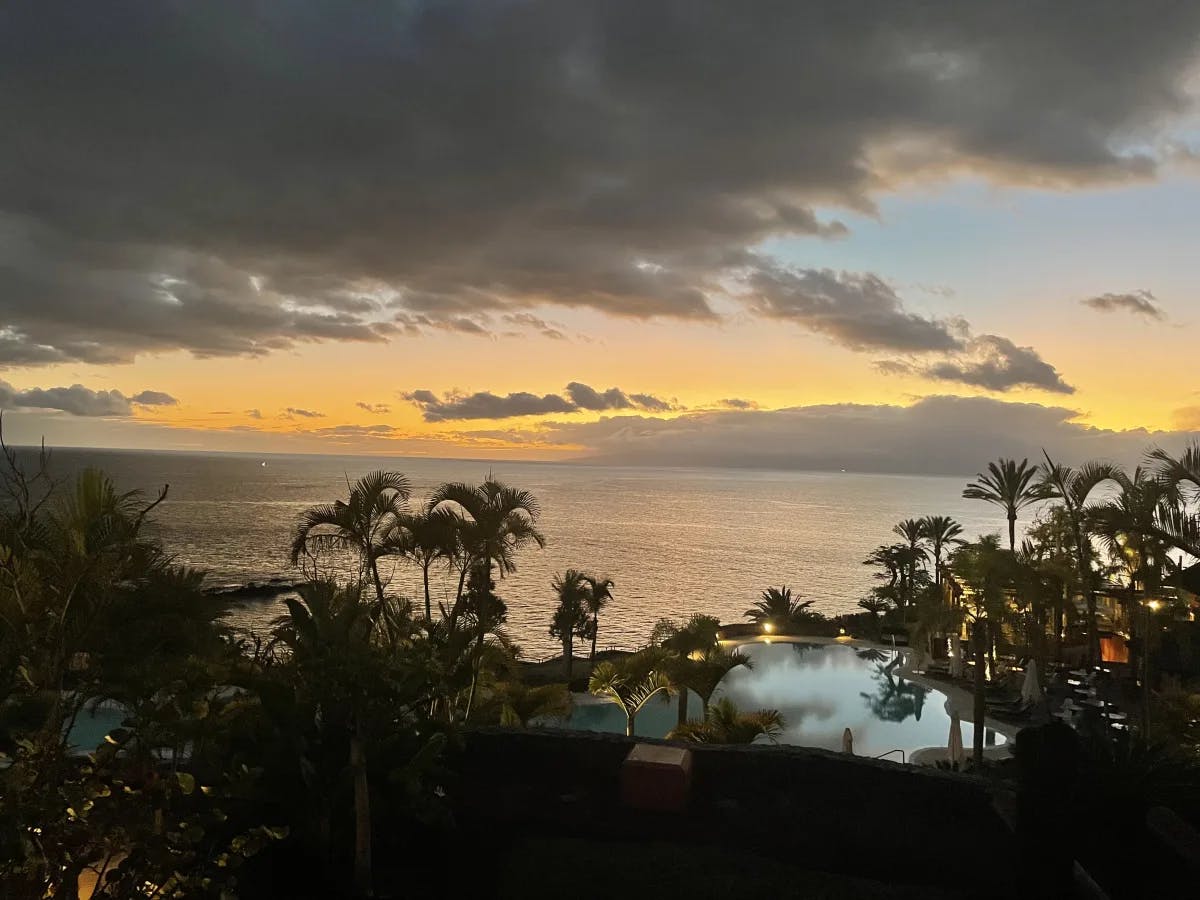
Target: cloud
{"type": "Point", "coordinates": [376, 408]}
{"type": "Point", "coordinates": [76, 400]}
{"type": "Point", "coordinates": [350, 431]}
{"type": "Point", "coordinates": [149, 207]}
{"type": "Point", "coordinates": [546, 329]}
{"type": "Point", "coordinates": [936, 435]}
{"type": "Point", "coordinates": [737, 403]}
{"type": "Point", "coordinates": [486, 405]}
{"type": "Point", "coordinates": [254, 413]}
{"type": "Point", "coordinates": [303, 413]}
{"type": "Point", "coordinates": [858, 311]}
{"type": "Point", "coordinates": [154, 398]}
{"type": "Point", "coordinates": [1138, 303]}
{"type": "Point", "coordinates": [988, 361]}
{"type": "Point", "coordinates": [997, 364]}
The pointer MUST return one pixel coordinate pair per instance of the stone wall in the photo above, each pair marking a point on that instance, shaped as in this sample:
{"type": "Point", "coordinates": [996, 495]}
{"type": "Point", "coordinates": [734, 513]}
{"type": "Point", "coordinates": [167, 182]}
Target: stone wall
{"type": "Point", "coordinates": [821, 810]}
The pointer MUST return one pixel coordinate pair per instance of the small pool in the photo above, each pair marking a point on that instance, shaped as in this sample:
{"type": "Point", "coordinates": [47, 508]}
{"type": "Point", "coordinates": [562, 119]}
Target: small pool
{"type": "Point", "coordinates": [94, 721]}
{"type": "Point", "coordinates": [821, 689]}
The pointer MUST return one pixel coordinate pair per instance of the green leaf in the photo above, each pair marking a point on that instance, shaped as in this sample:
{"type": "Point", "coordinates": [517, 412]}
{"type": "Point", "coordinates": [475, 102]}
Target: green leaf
{"type": "Point", "coordinates": [187, 781]}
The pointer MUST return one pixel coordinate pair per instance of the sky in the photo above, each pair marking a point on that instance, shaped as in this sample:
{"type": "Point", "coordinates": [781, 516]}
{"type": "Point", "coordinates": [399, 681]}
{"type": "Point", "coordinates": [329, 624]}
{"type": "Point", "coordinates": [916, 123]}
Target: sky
{"type": "Point", "coordinates": [882, 236]}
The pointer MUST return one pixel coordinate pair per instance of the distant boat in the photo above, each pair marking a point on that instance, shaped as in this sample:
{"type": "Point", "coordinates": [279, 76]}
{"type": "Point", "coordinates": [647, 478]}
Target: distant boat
{"type": "Point", "coordinates": [264, 465]}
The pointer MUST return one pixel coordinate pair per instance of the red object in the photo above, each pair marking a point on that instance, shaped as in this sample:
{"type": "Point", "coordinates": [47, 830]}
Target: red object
{"type": "Point", "coordinates": [656, 777]}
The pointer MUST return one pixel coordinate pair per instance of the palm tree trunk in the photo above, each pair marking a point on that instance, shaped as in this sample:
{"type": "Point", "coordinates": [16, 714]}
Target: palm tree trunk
{"type": "Point", "coordinates": [362, 815]}
{"type": "Point", "coordinates": [630, 719]}
{"type": "Point", "coordinates": [428, 603]}
{"type": "Point", "coordinates": [595, 631]}
{"type": "Point", "coordinates": [1012, 532]}
{"type": "Point", "coordinates": [979, 705]}
{"type": "Point", "coordinates": [682, 711]}
{"type": "Point", "coordinates": [568, 655]}
{"type": "Point", "coordinates": [1093, 629]}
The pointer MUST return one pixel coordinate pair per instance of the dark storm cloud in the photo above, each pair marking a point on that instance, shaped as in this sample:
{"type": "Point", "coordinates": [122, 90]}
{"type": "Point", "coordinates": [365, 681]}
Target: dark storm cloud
{"type": "Point", "coordinates": [486, 405]}
{"type": "Point", "coordinates": [990, 362]}
{"type": "Point", "coordinates": [936, 435]}
{"type": "Point", "coordinates": [79, 400]}
{"type": "Point", "coordinates": [154, 398]}
{"type": "Point", "coordinates": [239, 180]}
{"type": "Point", "coordinates": [1139, 303]}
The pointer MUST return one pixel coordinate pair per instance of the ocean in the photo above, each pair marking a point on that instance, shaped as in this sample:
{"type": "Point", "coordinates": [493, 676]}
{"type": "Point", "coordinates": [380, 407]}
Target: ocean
{"type": "Point", "coordinates": [675, 541]}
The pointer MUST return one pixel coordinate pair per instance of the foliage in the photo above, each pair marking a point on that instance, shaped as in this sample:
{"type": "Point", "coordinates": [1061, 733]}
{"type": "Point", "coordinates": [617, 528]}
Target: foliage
{"type": "Point", "coordinates": [782, 612]}
{"type": "Point", "coordinates": [723, 723]}
{"type": "Point", "coordinates": [630, 685]}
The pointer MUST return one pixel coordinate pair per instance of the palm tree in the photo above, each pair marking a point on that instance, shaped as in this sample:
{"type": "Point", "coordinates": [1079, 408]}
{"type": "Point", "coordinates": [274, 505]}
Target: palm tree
{"type": "Point", "coordinates": [522, 704]}
{"type": "Point", "coordinates": [913, 532]}
{"type": "Point", "coordinates": [984, 568]}
{"type": "Point", "coordinates": [877, 607]}
{"type": "Point", "coordinates": [624, 687]}
{"type": "Point", "coordinates": [941, 532]}
{"type": "Point", "coordinates": [424, 538]}
{"type": "Point", "coordinates": [1011, 485]}
{"type": "Point", "coordinates": [359, 524]}
{"type": "Point", "coordinates": [1072, 487]}
{"type": "Point", "coordinates": [703, 674]}
{"type": "Point", "coordinates": [776, 610]}
{"type": "Point", "coordinates": [328, 631]}
{"type": "Point", "coordinates": [724, 724]}
{"type": "Point", "coordinates": [1178, 469]}
{"type": "Point", "coordinates": [596, 597]}
{"type": "Point", "coordinates": [494, 522]}
{"type": "Point", "coordinates": [571, 618]}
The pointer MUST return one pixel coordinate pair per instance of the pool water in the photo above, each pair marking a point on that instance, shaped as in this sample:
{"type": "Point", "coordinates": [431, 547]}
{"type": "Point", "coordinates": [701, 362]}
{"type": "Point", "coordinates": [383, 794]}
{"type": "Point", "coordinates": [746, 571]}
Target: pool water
{"type": "Point", "coordinates": [92, 724]}
{"type": "Point", "coordinates": [820, 689]}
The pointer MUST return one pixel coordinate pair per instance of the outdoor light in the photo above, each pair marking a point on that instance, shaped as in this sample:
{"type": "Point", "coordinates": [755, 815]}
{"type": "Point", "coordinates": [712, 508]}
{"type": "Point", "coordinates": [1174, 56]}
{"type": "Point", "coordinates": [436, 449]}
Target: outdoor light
{"type": "Point", "coordinates": [842, 632]}
{"type": "Point", "coordinates": [768, 627]}
{"type": "Point", "coordinates": [1155, 605]}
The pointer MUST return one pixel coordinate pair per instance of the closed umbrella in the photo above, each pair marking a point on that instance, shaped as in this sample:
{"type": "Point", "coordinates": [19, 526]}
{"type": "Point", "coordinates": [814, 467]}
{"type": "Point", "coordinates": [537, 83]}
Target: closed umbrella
{"type": "Point", "coordinates": [954, 750]}
{"type": "Point", "coordinates": [1031, 692]}
{"type": "Point", "coordinates": [956, 658]}
{"type": "Point", "coordinates": [847, 742]}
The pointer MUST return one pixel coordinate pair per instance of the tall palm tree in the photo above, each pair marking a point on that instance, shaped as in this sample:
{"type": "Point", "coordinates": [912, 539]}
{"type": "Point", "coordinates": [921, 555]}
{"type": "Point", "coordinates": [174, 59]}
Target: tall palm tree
{"type": "Point", "coordinates": [777, 609]}
{"type": "Point", "coordinates": [494, 522]}
{"type": "Point", "coordinates": [1010, 485]}
{"type": "Point", "coordinates": [724, 723]}
{"type": "Point", "coordinates": [328, 631]}
{"type": "Point", "coordinates": [359, 524]}
{"type": "Point", "coordinates": [913, 532]}
{"type": "Point", "coordinates": [1073, 487]}
{"type": "Point", "coordinates": [425, 538]}
{"type": "Point", "coordinates": [598, 594]}
{"type": "Point", "coordinates": [985, 568]}
{"type": "Point", "coordinates": [571, 617]}
{"type": "Point", "coordinates": [941, 532]}
{"type": "Point", "coordinates": [625, 688]}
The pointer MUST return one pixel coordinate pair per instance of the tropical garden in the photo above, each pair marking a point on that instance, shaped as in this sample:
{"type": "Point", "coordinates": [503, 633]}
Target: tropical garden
{"type": "Point", "coordinates": [321, 748]}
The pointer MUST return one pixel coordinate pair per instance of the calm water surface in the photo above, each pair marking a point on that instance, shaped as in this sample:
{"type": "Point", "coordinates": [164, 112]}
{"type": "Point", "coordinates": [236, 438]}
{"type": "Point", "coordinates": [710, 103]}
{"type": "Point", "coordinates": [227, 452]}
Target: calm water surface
{"type": "Point", "coordinates": [820, 689]}
{"type": "Point", "coordinates": [676, 541]}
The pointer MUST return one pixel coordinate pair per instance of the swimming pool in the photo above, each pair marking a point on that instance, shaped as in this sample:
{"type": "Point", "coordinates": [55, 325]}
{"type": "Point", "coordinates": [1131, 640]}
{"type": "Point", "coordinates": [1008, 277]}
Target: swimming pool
{"type": "Point", "coordinates": [821, 689]}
